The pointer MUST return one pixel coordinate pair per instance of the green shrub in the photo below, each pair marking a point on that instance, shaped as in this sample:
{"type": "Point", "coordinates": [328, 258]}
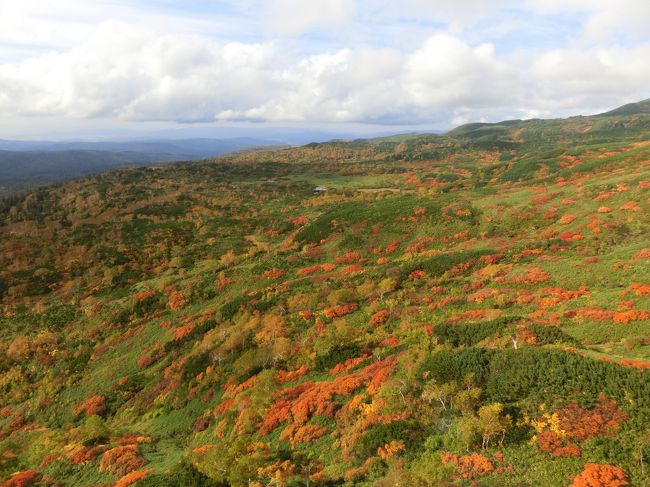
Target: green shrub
{"type": "Point", "coordinates": [470, 334]}
{"type": "Point", "coordinates": [182, 474]}
{"type": "Point", "coordinates": [410, 432]}
{"type": "Point", "coordinates": [337, 355]}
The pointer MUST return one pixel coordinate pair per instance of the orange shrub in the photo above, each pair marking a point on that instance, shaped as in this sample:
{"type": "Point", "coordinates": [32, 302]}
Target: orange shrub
{"type": "Point", "coordinates": [566, 219]}
{"type": "Point", "coordinates": [306, 314]}
{"type": "Point", "coordinates": [177, 300]}
{"type": "Point", "coordinates": [626, 317]}
{"type": "Point", "coordinates": [631, 206]}
{"type": "Point", "coordinates": [299, 403]}
{"type": "Point", "coordinates": [352, 268]}
{"type": "Point", "coordinates": [144, 295]}
{"type": "Point", "coordinates": [595, 475]}
{"type": "Point", "coordinates": [492, 258]}
{"type": "Point", "coordinates": [569, 236]}
{"type": "Point", "coordinates": [182, 331]}
{"type": "Point", "coordinates": [133, 477]}
{"type": "Point", "coordinates": [306, 271]}
{"type": "Point", "coordinates": [534, 275]}
{"type": "Point", "coordinates": [642, 254]}
{"type": "Point", "coordinates": [134, 439]}
{"type": "Point", "coordinates": [299, 221]}
{"type": "Point", "coordinates": [273, 274]}
{"type": "Point", "coordinates": [639, 289]}
{"type": "Point", "coordinates": [341, 310]}
{"type": "Point", "coordinates": [391, 449]}
{"type": "Point", "coordinates": [582, 424]}
{"type": "Point", "coordinates": [150, 356]}
{"type": "Point", "coordinates": [475, 314]}
{"type": "Point", "coordinates": [391, 341]}
{"type": "Point", "coordinates": [639, 364]}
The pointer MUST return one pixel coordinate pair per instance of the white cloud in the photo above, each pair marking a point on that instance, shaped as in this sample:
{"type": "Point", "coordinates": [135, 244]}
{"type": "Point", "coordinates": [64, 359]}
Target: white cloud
{"type": "Point", "coordinates": [598, 78]}
{"type": "Point", "coordinates": [137, 74]}
{"type": "Point", "coordinates": [158, 70]}
{"type": "Point", "coordinates": [447, 73]}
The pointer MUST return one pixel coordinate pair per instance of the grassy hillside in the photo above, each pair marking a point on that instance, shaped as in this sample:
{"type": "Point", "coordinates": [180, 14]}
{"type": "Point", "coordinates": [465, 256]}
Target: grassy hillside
{"type": "Point", "coordinates": [461, 309]}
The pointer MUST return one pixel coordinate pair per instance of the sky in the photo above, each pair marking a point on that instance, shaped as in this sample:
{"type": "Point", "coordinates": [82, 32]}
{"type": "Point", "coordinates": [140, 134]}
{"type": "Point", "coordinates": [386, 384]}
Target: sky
{"type": "Point", "coordinates": [97, 68]}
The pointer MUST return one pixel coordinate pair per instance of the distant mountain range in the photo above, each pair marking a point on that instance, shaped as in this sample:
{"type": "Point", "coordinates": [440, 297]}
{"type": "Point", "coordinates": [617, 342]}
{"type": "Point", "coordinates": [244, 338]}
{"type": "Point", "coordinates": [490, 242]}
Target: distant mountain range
{"type": "Point", "coordinates": [26, 165]}
{"type": "Point", "coordinates": [183, 148]}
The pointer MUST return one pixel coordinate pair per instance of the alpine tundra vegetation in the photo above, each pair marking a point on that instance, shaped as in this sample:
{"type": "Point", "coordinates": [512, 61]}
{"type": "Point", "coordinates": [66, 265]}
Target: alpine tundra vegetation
{"type": "Point", "coordinates": [463, 309]}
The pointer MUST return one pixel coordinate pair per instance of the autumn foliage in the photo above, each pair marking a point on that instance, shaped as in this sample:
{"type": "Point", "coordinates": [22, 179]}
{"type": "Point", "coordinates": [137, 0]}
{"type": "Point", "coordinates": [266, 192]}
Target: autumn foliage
{"type": "Point", "coordinates": [560, 433]}
{"type": "Point", "coordinates": [95, 405]}
{"type": "Point", "coordinates": [448, 296]}
{"type": "Point", "coordinates": [473, 466]}
{"type": "Point", "coordinates": [121, 460]}
{"type": "Point", "coordinates": [595, 475]}
{"type": "Point", "coordinates": [133, 477]}
{"type": "Point", "coordinates": [26, 478]}
{"type": "Point", "coordinates": [299, 403]}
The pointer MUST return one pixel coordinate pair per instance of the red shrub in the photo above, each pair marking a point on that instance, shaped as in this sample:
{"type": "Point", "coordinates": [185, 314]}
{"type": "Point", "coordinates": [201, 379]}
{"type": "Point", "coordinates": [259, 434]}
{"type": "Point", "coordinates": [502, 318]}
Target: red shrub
{"type": "Point", "coordinates": [470, 467]}
{"type": "Point", "coordinates": [379, 317]}
{"type": "Point", "coordinates": [121, 460]}
{"type": "Point", "coordinates": [84, 454]}
{"type": "Point", "coordinates": [288, 376]}
{"type": "Point", "coordinates": [348, 258]}
{"type": "Point", "coordinates": [299, 403]}
{"type": "Point", "coordinates": [392, 247]}
{"type": "Point", "coordinates": [26, 478]}
{"type": "Point", "coordinates": [95, 405]}
{"type": "Point", "coordinates": [417, 274]}
{"type": "Point", "coordinates": [306, 271]}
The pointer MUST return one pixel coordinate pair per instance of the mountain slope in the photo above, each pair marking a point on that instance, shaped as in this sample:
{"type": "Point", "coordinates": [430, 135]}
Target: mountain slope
{"type": "Point", "coordinates": [462, 309]}
{"type": "Point", "coordinates": [637, 108]}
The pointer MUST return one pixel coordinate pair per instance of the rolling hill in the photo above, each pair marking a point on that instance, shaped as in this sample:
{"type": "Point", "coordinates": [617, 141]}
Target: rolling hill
{"type": "Point", "coordinates": [470, 308]}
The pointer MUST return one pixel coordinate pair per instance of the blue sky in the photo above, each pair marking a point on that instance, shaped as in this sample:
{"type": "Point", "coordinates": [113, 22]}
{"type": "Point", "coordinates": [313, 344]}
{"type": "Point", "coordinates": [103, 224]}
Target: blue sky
{"type": "Point", "coordinates": [96, 67]}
